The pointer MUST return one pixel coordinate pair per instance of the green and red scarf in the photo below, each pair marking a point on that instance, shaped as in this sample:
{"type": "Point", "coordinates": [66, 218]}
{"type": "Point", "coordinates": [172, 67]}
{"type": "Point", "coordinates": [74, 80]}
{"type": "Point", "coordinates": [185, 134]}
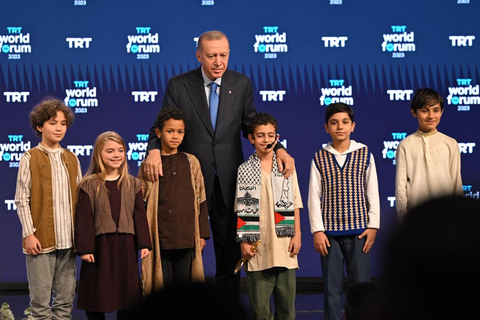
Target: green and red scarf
{"type": "Point", "coordinates": [247, 200]}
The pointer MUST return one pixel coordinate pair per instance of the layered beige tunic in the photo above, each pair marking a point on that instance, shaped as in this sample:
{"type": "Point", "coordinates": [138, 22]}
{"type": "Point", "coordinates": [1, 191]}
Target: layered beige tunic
{"type": "Point", "coordinates": [152, 274]}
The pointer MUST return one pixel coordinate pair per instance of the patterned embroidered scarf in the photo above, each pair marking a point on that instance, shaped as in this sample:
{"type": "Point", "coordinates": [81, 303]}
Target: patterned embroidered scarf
{"type": "Point", "coordinates": [247, 200]}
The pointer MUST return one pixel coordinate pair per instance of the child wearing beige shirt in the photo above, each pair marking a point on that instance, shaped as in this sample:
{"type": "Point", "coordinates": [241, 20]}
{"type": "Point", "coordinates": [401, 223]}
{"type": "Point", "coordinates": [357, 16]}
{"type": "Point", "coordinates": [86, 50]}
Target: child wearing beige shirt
{"type": "Point", "coordinates": [268, 228]}
{"type": "Point", "coordinates": [428, 162]}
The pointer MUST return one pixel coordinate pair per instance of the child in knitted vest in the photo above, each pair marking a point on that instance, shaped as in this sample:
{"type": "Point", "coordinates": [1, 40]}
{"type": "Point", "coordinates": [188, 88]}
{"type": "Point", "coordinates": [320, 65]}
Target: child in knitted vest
{"type": "Point", "coordinates": [343, 206]}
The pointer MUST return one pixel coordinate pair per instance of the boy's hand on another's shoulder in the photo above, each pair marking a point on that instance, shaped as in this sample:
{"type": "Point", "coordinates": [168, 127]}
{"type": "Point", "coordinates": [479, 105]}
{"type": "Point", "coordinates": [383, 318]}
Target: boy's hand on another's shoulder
{"type": "Point", "coordinates": [90, 258]}
{"type": "Point", "coordinates": [32, 245]}
{"type": "Point", "coordinates": [295, 245]}
{"type": "Point", "coordinates": [370, 234]}
{"type": "Point", "coordinates": [321, 243]}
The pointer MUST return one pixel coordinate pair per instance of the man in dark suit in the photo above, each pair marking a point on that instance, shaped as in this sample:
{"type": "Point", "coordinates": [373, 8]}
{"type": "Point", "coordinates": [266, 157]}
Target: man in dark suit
{"type": "Point", "coordinates": [218, 104]}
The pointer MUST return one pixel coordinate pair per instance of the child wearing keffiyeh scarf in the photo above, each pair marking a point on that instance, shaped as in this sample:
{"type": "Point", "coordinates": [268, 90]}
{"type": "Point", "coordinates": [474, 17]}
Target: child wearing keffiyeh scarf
{"type": "Point", "coordinates": [268, 224]}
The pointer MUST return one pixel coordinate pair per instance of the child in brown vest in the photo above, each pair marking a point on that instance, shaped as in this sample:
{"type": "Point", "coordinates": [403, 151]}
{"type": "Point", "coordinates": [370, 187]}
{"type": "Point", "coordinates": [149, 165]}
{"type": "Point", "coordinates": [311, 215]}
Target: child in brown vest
{"type": "Point", "coordinates": [111, 227]}
{"type": "Point", "coordinates": [45, 197]}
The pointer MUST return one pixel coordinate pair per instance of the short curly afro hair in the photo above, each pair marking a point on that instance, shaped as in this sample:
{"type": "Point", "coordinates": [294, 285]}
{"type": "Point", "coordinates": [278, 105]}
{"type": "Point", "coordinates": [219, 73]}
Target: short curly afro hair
{"type": "Point", "coordinates": [167, 113]}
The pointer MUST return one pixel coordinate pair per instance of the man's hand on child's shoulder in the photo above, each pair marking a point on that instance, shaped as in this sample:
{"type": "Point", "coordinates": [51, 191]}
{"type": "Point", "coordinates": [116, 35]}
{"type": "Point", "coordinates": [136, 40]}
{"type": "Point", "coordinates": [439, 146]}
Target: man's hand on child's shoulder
{"type": "Point", "coordinates": [153, 165]}
{"type": "Point", "coordinates": [286, 164]}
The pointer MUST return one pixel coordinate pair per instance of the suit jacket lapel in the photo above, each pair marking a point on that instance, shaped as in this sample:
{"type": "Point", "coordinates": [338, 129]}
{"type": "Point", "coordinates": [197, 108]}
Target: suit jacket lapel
{"type": "Point", "coordinates": [227, 96]}
{"type": "Point", "coordinates": [196, 91]}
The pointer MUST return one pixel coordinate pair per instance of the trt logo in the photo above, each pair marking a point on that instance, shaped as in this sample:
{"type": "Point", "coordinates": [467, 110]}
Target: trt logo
{"type": "Point", "coordinates": [336, 82]}
{"type": "Point", "coordinates": [80, 150]}
{"type": "Point", "coordinates": [464, 82]}
{"type": "Point", "coordinates": [399, 135]}
{"type": "Point", "coordinates": [145, 30]}
{"type": "Point", "coordinates": [466, 147]}
{"type": "Point", "coordinates": [16, 96]}
{"type": "Point", "coordinates": [399, 28]}
{"type": "Point", "coordinates": [462, 41]}
{"type": "Point", "coordinates": [79, 42]}
{"type": "Point", "coordinates": [270, 29]}
{"type": "Point", "coordinates": [400, 95]}
{"type": "Point", "coordinates": [10, 204]}
{"type": "Point", "coordinates": [15, 137]}
{"type": "Point", "coordinates": [144, 96]}
{"type": "Point", "coordinates": [80, 84]}
{"type": "Point", "coordinates": [142, 137]}
{"type": "Point", "coordinates": [272, 95]}
{"type": "Point", "coordinates": [14, 29]}
{"type": "Point", "coordinates": [334, 42]}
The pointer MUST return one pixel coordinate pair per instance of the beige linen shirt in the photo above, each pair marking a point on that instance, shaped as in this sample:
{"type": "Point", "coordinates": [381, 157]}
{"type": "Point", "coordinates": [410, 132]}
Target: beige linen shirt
{"type": "Point", "coordinates": [273, 250]}
{"type": "Point", "coordinates": [428, 166]}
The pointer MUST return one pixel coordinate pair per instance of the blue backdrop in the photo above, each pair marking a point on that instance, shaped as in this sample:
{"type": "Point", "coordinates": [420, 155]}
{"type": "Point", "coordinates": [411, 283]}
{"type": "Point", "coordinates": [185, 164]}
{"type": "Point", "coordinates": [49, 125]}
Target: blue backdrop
{"type": "Point", "coordinates": [110, 61]}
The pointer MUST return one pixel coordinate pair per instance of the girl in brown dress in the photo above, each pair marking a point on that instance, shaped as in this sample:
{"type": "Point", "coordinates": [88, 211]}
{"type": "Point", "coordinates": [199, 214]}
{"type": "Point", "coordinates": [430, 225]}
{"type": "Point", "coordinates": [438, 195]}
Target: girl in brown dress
{"type": "Point", "coordinates": [110, 228]}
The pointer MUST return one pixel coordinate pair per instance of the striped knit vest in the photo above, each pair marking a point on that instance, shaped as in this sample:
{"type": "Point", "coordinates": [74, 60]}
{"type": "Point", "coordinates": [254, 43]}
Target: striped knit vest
{"type": "Point", "coordinates": [344, 202]}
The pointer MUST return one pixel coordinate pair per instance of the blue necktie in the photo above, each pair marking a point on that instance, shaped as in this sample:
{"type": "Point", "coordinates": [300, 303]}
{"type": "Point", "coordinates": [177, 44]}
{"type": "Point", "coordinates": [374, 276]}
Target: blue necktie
{"type": "Point", "coordinates": [213, 103]}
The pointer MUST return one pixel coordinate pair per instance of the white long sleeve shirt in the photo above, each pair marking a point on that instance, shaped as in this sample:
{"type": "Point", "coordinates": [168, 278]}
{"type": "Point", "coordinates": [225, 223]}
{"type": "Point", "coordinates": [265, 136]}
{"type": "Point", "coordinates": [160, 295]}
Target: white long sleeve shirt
{"type": "Point", "coordinates": [315, 189]}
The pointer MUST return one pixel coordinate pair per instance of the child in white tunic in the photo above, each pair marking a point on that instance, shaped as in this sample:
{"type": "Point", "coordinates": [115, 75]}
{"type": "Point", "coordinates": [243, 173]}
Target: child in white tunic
{"type": "Point", "coordinates": [428, 162]}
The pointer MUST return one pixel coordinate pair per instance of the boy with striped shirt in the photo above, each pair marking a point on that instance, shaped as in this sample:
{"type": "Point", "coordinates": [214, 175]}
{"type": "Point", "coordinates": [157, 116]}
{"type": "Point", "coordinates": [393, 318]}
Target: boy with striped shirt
{"type": "Point", "coordinates": [343, 206]}
{"type": "Point", "coordinates": [46, 196]}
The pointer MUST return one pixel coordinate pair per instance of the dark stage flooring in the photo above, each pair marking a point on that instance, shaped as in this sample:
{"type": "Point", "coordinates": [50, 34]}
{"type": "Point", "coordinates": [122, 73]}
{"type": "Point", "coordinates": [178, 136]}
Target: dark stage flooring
{"type": "Point", "coordinates": [308, 306]}
{"type": "Point", "coordinates": [309, 300]}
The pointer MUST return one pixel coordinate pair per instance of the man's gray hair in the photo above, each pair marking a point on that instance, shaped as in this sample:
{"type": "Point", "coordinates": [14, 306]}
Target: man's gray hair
{"type": "Point", "coordinates": [210, 35]}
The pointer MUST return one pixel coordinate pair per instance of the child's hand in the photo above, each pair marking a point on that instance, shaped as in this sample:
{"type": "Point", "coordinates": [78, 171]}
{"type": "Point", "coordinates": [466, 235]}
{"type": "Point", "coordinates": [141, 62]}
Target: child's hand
{"type": "Point", "coordinates": [203, 243]}
{"type": "Point", "coordinates": [248, 251]}
{"type": "Point", "coordinates": [88, 258]}
{"type": "Point", "coordinates": [370, 234]}
{"type": "Point", "coordinates": [321, 243]}
{"type": "Point", "coordinates": [144, 253]}
{"type": "Point", "coordinates": [32, 245]}
{"type": "Point", "coordinates": [295, 244]}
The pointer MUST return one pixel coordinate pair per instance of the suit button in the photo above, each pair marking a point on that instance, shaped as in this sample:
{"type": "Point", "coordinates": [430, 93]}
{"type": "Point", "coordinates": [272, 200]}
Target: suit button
{"type": "Point", "coordinates": [214, 144]}
{"type": "Point", "coordinates": [212, 164]}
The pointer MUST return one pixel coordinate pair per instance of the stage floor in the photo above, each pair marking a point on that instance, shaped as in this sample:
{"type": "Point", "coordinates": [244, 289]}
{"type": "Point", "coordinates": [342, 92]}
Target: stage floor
{"type": "Point", "coordinates": [308, 306]}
